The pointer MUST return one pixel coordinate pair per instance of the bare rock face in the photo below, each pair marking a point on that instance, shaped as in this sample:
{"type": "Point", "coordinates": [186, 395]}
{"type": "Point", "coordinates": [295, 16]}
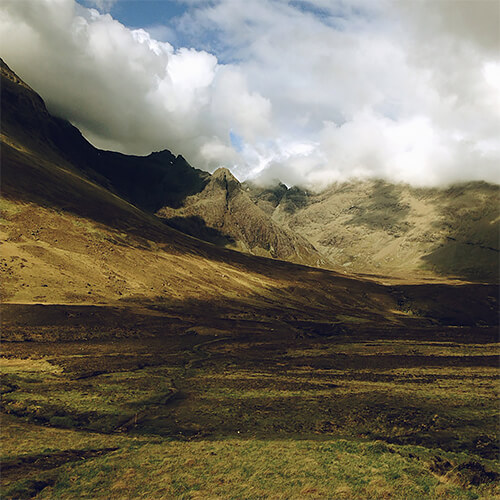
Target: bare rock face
{"type": "Point", "coordinates": [224, 211]}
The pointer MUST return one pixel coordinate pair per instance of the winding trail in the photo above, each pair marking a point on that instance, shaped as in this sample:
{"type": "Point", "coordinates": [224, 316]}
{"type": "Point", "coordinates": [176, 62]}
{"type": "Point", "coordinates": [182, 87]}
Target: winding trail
{"type": "Point", "coordinates": [203, 354]}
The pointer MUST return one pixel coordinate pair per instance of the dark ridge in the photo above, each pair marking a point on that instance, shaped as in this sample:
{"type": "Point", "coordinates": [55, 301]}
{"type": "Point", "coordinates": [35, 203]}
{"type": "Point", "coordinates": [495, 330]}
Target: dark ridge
{"type": "Point", "coordinates": [149, 182]}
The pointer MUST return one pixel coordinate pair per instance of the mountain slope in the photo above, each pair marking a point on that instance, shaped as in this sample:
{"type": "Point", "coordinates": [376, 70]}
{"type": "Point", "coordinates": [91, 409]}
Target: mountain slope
{"type": "Point", "coordinates": [226, 210]}
{"type": "Point", "coordinates": [159, 181]}
{"type": "Point", "coordinates": [66, 238]}
{"type": "Point", "coordinates": [396, 230]}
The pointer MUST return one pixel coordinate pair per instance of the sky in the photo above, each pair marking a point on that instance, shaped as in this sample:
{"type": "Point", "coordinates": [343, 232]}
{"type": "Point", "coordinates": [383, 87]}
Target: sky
{"type": "Point", "coordinates": [306, 91]}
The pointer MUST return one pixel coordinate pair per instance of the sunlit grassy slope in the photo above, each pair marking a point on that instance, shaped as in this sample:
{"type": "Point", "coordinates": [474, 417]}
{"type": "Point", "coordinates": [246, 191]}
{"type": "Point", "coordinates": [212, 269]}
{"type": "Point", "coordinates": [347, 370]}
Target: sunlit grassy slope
{"type": "Point", "coordinates": [237, 468]}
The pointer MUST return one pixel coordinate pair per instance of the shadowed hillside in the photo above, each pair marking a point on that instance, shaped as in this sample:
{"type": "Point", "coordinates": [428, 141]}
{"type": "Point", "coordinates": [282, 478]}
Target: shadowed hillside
{"type": "Point", "coordinates": [148, 182]}
{"type": "Point", "coordinates": [363, 227]}
{"type": "Point", "coordinates": [68, 239]}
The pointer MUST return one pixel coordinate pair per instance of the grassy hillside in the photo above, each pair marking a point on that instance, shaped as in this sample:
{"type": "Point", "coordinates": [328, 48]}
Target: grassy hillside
{"type": "Point", "coordinates": [396, 230]}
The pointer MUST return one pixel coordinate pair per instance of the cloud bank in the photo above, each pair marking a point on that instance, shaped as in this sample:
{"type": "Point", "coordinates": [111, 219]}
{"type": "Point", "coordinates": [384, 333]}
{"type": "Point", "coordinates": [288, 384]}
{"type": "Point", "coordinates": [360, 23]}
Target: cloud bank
{"type": "Point", "coordinates": [309, 91]}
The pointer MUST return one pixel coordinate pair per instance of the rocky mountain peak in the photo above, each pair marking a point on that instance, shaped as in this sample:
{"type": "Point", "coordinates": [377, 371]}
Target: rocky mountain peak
{"type": "Point", "coordinates": [224, 173]}
{"type": "Point", "coordinates": [223, 178]}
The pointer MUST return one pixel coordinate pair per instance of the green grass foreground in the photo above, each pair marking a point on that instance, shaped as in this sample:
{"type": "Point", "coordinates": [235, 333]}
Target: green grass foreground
{"type": "Point", "coordinates": [199, 416]}
{"type": "Point", "coordinates": [151, 467]}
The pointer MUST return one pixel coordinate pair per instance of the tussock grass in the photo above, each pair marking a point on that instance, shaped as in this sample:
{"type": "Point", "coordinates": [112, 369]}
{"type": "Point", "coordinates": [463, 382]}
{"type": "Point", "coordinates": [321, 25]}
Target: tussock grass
{"type": "Point", "coordinates": [239, 468]}
{"type": "Point", "coordinates": [24, 366]}
{"type": "Point", "coordinates": [8, 208]}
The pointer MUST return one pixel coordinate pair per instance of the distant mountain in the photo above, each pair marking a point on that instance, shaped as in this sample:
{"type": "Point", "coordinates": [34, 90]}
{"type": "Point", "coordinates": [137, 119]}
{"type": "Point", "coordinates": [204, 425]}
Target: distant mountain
{"type": "Point", "coordinates": [224, 214]}
{"type": "Point", "coordinates": [370, 227]}
{"type": "Point", "coordinates": [394, 229]}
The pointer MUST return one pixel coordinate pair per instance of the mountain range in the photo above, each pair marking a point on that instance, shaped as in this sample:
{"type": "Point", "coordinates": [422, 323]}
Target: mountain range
{"type": "Point", "coordinates": [85, 226]}
{"type": "Point", "coordinates": [78, 227]}
{"type": "Point", "coordinates": [363, 227]}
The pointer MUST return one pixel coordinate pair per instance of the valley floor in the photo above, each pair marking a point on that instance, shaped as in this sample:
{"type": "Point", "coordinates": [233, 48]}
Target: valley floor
{"type": "Point", "coordinates": [252, 410]}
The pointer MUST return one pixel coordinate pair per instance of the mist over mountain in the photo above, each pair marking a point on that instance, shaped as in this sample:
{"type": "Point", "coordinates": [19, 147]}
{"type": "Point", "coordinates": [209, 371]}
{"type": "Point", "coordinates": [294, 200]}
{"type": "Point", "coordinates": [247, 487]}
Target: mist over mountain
{"type": "Point", "coordinates": [394, 229]}
{"type": "Point", "coordinates": [308, 92]}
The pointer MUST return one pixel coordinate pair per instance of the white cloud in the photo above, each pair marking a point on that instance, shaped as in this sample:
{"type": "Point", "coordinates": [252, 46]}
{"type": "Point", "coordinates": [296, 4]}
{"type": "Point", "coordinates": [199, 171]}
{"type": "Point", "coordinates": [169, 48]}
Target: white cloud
{"type": "Point", "coordinates": [316, 90]}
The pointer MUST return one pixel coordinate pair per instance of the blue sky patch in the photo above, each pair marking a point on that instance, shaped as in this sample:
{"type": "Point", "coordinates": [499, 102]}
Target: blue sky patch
{"type": "Point", "coordinates": [143, 13]}
{"type": "Point", "coordinates": [236, 141]}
